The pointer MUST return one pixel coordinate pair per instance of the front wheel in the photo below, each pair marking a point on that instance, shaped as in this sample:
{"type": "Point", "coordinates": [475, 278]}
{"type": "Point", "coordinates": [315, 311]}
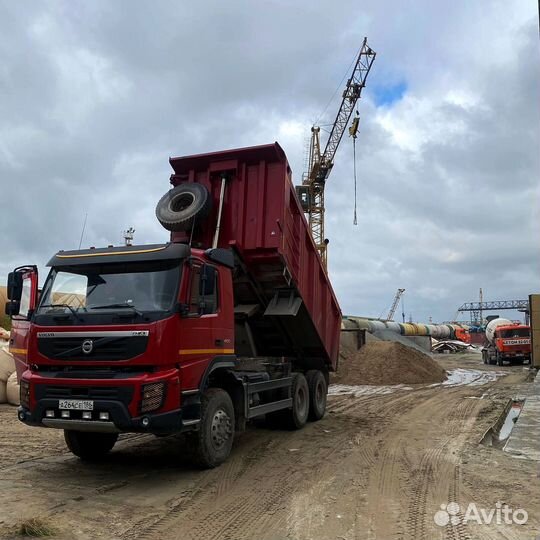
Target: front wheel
{"type": "Point", "coordinates": [89, 446]}
{"type": "Point", "coordinates": [212, 443]}
{"type": "Point", "coordinates": [500, 360]}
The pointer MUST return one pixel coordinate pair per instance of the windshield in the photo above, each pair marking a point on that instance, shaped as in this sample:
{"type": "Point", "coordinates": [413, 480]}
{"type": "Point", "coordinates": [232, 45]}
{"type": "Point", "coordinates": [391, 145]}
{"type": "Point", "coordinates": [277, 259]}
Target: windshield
{"type": "Point", "coordinates": [141, 287]}
{"type": "Point", "coordinates": [514, 333]}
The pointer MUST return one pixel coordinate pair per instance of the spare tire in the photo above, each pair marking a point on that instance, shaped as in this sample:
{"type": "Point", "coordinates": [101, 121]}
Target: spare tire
{"type": "Point", "coordinates": [183, 204]}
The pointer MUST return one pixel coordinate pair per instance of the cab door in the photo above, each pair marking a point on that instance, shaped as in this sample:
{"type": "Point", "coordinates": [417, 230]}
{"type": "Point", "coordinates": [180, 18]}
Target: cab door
{"type": "Point", "coordinates": [207, 325]}
{"type": "Point", "coordinates": [22, 292]}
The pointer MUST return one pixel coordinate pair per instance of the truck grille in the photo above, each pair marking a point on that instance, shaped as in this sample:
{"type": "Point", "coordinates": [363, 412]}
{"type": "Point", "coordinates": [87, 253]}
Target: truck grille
{"type": "Point", "coordinates": [109, 393]}
{"type": "Point", "coordinates": [101, 348]}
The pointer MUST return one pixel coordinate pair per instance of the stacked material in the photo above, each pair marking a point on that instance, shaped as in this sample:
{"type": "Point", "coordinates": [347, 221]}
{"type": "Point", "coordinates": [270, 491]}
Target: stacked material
{"type": "Point", "coordinates": [7, 372]}
{"type": "Point", "coordinates": [387, 363]}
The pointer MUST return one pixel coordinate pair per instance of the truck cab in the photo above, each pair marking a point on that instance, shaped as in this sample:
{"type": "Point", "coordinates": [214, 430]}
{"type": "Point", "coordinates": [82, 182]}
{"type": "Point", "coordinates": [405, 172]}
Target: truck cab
{"type": "Point", "coordinates": [513, 343]}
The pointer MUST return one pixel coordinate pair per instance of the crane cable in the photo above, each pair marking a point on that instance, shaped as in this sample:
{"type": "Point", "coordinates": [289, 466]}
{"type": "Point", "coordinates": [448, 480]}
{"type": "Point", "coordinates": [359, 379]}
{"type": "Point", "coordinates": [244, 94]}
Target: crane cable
{"type": "Point", "coordinates": [353, 132]}
{"type": "Point", "coordinates": [355, 222]}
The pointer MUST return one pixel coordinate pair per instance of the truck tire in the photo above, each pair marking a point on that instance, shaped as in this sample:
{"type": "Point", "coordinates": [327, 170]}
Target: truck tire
{"type": "Point", "coordinates": [212, 443]}
{"type": "Point", "coordinates": [499, 359]}
{"type": "Point", "coordinates": [178, 208]}
{"type": "Point", "coordinates": [485, 357]}
{"type": "Point", "coordinates": [297, 416]}
{"type": "Point", "coordinates": [89, 446]}
{"type": "Point", "coordinates": [318, 391]}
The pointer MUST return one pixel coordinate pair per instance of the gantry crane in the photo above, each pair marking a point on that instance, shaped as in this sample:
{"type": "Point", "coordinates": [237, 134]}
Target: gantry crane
{"type": "Point", "coordinates": [395, 303]}
{"type": "Point", "coordinates": [311, 192]}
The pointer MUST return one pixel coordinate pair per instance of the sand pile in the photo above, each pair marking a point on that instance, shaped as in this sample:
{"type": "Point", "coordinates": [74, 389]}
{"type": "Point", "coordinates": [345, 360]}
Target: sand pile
{"type": "Point", "coordinates": [384, 362]}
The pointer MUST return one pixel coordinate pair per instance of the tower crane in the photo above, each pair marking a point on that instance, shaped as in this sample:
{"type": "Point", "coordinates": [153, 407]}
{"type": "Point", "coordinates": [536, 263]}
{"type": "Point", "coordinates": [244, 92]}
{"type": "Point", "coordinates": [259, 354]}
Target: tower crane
{"type": "Point", "coordinates": [395, 303]}
{"type": "Point", "coordinates": [311, 192]}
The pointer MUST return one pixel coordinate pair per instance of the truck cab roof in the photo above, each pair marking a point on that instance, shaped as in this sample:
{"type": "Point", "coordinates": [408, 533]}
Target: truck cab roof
{"type": "Point", "coordinates": [120, 254]}
{"type": "Point", "coordinates": [511, 327]}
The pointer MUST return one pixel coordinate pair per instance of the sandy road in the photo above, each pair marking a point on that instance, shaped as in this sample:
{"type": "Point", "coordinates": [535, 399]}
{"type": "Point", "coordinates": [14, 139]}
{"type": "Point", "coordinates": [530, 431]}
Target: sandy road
{"type": "Point", "coordinates": [376, 467]}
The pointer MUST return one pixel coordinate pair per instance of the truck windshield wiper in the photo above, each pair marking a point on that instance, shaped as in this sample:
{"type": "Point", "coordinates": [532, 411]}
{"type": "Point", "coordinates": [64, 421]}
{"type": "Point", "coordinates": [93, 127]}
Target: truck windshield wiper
{"type": "Point", "coordinates": [119, 305]}
{"type": "Point", "coordinates": [63, 306]}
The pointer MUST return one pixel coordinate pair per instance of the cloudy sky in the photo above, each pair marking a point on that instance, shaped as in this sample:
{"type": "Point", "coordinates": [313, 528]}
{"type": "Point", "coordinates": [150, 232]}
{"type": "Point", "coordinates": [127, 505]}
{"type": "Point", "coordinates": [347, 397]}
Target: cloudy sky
{"type": "Point", "coordinates": [95, 96]}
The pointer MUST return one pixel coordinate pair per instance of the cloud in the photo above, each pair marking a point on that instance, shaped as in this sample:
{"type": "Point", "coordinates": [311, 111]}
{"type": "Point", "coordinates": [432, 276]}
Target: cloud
{"type": "Point", "coordinates": [96, 97]}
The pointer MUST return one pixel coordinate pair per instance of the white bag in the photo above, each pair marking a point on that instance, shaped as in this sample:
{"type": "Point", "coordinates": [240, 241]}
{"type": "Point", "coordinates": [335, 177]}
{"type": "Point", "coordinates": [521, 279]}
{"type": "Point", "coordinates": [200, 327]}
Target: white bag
{"type": "Point", "coordinates": [7, 364]}
{"type": "Point", "coordinates": [12, 389]}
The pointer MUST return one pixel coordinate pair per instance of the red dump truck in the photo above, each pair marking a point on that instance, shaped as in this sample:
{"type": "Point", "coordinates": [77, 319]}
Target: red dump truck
{"type": "Point", "coordinates": [233, 319]}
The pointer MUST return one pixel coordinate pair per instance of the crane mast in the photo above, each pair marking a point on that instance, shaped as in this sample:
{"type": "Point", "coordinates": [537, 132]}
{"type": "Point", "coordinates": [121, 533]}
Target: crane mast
{"type": "Point", "coordinates": [311, 192]}
{"type": "Point", "coordinates": [395, 303]}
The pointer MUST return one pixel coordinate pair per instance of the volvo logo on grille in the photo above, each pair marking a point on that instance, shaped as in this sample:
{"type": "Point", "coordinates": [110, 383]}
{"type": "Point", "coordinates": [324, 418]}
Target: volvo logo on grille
{"type": "Point", "coordinates": [87, 346]}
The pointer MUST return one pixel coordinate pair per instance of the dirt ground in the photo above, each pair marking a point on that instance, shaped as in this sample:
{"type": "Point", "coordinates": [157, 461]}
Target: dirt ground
{"type": "Point", "coordinates": [378, 466]}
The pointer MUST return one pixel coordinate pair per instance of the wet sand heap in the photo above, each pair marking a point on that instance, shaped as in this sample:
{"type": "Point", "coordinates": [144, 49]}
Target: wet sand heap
{"type": "Point", "coordinates": [385, 362]}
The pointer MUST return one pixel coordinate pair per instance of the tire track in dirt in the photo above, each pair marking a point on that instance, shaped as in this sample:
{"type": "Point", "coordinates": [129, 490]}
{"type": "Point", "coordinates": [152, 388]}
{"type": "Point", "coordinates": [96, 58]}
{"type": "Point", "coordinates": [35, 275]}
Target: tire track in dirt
{"type": "Point", "coordinates": [244, 499]}
{"type": "Point", "coordinates": [420, 474]}
{"type": "Point", "coordinates": [438, 466]}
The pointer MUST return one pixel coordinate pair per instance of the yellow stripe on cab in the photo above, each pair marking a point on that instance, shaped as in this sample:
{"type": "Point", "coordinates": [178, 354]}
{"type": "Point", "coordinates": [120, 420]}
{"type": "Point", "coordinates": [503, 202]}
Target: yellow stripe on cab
{"type": "Point", "coordinates": [205, 351]}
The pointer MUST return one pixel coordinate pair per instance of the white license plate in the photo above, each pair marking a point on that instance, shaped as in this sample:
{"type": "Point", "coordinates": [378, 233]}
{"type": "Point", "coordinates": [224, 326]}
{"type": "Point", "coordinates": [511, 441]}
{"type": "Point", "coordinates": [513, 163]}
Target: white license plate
{"type": "Point", "coordinates": [76, 404]}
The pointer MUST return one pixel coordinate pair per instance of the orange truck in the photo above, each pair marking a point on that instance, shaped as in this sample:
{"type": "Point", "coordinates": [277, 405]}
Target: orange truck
{"type": "Point", "coordinates": [506, 341]}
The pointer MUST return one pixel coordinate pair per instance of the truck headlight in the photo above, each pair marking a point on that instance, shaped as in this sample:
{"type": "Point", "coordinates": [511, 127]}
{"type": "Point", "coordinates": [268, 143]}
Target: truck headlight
{"type": "Point", "coordinates": [24, 394]}
{"type": "Point", "coordinates": [153, 396]}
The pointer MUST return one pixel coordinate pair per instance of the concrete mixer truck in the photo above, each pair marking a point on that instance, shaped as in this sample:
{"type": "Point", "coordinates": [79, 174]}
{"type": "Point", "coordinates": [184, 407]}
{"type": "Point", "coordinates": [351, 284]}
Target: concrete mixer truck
{"type": "Point", "coordinates": [506, 341]}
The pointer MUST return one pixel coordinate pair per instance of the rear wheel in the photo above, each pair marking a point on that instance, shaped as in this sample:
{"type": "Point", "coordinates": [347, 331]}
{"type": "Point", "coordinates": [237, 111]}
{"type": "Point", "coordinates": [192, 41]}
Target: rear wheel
{"type": "Point", "coordinates": [89, 446]}
{"type": "Point", "coordinates": [296, 417]}
{"type": "Point", "coordinates": [317, 394]}
{"type": "Point", "coordinates": [499, 359]}
{"type": "Point", "coordinates": [485, 357]}
{"type": "Point", "coordinates": [212, 443]}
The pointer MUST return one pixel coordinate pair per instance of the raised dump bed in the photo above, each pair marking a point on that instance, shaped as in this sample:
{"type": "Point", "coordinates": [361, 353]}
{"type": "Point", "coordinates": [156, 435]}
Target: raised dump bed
{"type": "Point", "coordinates": [278, 263]}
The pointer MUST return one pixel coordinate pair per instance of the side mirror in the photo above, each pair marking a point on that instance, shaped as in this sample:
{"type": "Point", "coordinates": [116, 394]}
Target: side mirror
{"type": "Point", "coordinates": [12, 307]}
{"type": "Point", "coordinates": [14, 285]}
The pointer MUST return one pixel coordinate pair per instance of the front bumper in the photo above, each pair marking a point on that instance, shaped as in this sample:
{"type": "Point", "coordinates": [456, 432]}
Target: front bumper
{"type": "Point", "coordinates": [120, 399]}
{"type": "Point", "coordinates": [119, 419]}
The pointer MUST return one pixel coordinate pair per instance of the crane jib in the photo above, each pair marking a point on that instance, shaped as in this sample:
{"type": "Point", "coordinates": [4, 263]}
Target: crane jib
{"type": "Point", "coordinates": [311, 193]}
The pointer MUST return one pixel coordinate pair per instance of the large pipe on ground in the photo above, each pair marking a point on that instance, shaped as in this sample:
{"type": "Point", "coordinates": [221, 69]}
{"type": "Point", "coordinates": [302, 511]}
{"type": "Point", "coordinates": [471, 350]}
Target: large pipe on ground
{"type": "Point", "coordinates": [437, 331]}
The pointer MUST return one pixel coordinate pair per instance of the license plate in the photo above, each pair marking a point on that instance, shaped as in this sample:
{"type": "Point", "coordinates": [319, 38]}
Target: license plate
{"type": "Point", "coordinates": [76, 404]}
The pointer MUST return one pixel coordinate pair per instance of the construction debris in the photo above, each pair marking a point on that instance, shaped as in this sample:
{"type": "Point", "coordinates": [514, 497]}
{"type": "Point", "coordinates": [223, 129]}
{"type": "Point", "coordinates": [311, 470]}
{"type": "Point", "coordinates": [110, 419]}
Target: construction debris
{"type": "Point", "coordinates": [452, 346]}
